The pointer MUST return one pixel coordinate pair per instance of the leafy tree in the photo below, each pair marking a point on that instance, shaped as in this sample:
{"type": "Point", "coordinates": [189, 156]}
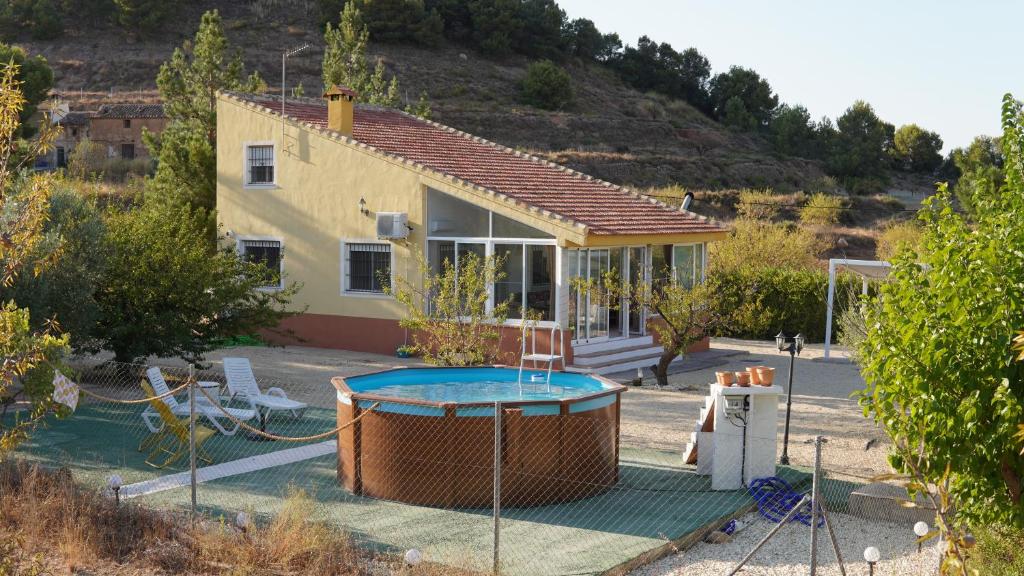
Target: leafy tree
{"type": "Point", "coordinates": [495, 25]}
{"type": "Point", "coordinates": [916, 149]}
{"type": "Point", "coordinates": [398, 21]}
{"type": "Point", "coordinates": [422, 107]}
{"type": "Point", "coordinates": [29, 356]}
{"type": "Point", "coordinates": [345, 61]}
{"type": "Point", "coordinates": [937, 358]}
{"type": "Point", "coordinates": [65, 290]}
{"type": "Point", "coordinates": [166, 294]}
{"type": "Point", "coordinates": [660, 68]}
{"type": "Point", "coordinates": [41, 18]}
{"type": "Point", "coordinates": [979, 170]}
{"type": "Point", "coordinates": [686, 315]}
{"type": "Point", "coordinates": [142, 15]}
{"type": "Point", "coordinates": [547, 86]}
{"type": "Point", "coordinates": [447, 313]}
{"type": "Point", "coordinates": [736, 115]}
{"type": "Point", "coordinates": [539, 33]}
{"type": "Point", "coordinates": [747, 86]}
{"type": "Point", "coordinates": [821, 209]}
{"type": "Point", "coordinates": [35, 79]}
{"type": "Point", "coordinates": [793, 132]}
{"type": "Point", "coordinates": [859, 148]}
{"type": "Point", "coordinates": [582, 39]}
{"type": "Point", "coordinates": [456, 17]}
{"type": "Point", "coordinates": [188, 83]}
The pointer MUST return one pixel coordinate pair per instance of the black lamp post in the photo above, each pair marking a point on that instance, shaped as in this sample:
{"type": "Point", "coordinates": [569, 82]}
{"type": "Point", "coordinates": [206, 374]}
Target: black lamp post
{"type": "Point", "coordinates": [793, 345]}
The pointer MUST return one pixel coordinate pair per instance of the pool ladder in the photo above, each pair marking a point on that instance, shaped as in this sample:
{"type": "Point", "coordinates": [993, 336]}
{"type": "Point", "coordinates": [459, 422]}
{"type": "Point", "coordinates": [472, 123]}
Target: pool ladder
{"type": "Point", "coordinates": [550, 358]}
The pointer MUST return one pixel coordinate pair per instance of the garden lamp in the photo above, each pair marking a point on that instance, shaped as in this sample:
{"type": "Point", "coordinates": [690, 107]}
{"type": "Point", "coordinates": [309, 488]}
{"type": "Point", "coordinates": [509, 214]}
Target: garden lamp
{"type": "Point", "coordinates": [872, 556]}
{"type": "Point", "coordinates": [921, 530]}
{"type": "Point", "coordinates": [795, 346]}
{"type": "Point", "coordinates": [114, 482]}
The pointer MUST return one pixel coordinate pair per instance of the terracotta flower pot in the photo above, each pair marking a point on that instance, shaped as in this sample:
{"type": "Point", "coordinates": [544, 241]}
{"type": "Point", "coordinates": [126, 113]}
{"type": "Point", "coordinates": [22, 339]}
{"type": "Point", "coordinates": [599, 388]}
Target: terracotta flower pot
{"type": "Point", "coordinates": [725, 378]}
{"type": "Point", "coordinates": [766, 375]}
{"type": "Point", "coordinates": [754, 378]}
{"type": "Point", "coordinates": [743, 378]}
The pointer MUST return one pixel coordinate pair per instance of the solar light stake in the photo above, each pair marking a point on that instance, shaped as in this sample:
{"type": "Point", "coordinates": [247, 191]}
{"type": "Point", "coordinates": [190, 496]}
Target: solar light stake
{"type": "Point", "coordinates": [114, 482]}
{"type": "Point", "coordinates": [796, 344]}
{"type": "Point", "coordinates": [921, 530]}
{"type": "Point", "coordinates": [872, 556]}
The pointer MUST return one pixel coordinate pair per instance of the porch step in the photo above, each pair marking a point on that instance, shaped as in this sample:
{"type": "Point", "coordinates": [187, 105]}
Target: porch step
{"type": "Point", "coordinates": [613, 366]}
{"type": "Point", "coordinates": [585, 349]}
{"type": "Point", "coordinates": [614, 356]}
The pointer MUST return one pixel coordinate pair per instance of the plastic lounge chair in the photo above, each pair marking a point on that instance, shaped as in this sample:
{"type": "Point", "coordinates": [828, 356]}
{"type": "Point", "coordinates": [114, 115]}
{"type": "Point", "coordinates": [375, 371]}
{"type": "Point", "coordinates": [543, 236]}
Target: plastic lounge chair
{"type": "Point", "coordinates": [242, 384]}
{"type": "Point", "coordinates": [203, 408]}
{"type": "Point", "coordinates": [174, 440]}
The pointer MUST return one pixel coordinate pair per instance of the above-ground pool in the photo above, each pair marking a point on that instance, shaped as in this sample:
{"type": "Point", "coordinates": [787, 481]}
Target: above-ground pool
{"type": "Point", "coordinates": [430, 440]}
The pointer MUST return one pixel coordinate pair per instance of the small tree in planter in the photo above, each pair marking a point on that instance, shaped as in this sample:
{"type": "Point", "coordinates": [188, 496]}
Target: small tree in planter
{"type": "Point", "coordinates": [447, 314]}
{"type": "Point", "coordinates": [686, 315]}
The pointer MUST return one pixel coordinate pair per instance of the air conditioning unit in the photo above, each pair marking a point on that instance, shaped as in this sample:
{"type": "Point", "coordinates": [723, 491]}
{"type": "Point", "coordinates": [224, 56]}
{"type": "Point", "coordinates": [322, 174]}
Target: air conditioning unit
{"type": "Point", "coordinates": [392, 225]}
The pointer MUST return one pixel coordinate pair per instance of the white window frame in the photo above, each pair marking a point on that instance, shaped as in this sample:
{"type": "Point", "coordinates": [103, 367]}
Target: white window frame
{"type": "Point", "coordinates": [344, 267]}
{"type": "Point", "coordinates": [240, 250]}
{"type": "Point", "coordinates": [703, 261]}
{"type": "Point", "coordinates": [245, 165]}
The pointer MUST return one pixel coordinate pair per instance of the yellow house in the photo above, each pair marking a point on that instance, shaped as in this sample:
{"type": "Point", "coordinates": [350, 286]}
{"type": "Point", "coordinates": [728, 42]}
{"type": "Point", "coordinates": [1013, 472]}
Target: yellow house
{"type": "Point", "coordinates": [339, 195]}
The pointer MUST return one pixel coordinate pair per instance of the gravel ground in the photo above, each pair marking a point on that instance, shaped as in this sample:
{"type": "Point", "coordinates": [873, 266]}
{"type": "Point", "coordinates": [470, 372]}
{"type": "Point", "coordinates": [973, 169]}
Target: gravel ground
{"type": "Point", "coordinates": [788, 552]}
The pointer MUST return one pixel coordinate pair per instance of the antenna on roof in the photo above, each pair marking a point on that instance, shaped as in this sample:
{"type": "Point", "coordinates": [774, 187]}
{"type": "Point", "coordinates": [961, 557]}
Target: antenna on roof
{"type": "Point", "coordinates": [284, 61]}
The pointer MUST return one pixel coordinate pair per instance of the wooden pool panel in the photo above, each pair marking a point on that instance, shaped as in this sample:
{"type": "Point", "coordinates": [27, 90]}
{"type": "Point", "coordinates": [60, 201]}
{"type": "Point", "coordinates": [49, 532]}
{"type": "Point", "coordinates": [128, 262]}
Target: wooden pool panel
{"type": "Point", "coordinates": [446, 459]}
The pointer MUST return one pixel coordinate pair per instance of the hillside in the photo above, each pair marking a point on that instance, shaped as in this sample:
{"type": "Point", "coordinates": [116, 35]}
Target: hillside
{"type": "Point", "coordinates": [612, 131]}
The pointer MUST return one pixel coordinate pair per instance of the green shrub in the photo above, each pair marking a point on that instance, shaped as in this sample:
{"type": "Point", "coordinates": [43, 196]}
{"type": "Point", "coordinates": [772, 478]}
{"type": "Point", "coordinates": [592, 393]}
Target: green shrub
{"type": "Point", "coordinates": [775, 246]}
{"type": "Point", "coordinates": [758, 204]}
{"type": "Point", "coordinates": [896, 237]}
{"type": "Point", "coordinates": [547, 86]}
{"type": "Point", "coordinates": [757, 303]}
{"type": "Point", "coordinates": [821, 210]}
{"type": "Point", "coordinates": [1000, 550]}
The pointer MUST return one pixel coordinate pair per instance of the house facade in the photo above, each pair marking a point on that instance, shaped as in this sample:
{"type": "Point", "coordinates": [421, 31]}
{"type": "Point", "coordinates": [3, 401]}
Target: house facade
{"type": "Point", "coordinates": [338, 196]}
{"type": "Point", "coordinates": [119, 127]}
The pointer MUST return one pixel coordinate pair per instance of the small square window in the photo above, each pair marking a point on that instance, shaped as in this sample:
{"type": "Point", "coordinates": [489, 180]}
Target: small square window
{"type": "Point", "coordinates": [269, 254]}
{"type": "Point", "coordinates": [259, 162]}
{"type": "Point", "coordinates": [367, 268]}
{"type": "Point", "coordinates": [127, 123]}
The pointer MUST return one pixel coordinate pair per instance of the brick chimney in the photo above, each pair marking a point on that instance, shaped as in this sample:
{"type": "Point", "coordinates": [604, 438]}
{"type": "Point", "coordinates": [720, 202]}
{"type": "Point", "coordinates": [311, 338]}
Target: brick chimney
{"type": "Point", "coordinates": [340, 108]}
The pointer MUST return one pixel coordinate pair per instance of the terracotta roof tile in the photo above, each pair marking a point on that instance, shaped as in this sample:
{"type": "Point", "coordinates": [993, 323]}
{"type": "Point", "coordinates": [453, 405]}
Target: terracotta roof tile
{"type": "Point", "coordinates": [604, 208]}
{"type": "Point", "coordinates": [130, 111]}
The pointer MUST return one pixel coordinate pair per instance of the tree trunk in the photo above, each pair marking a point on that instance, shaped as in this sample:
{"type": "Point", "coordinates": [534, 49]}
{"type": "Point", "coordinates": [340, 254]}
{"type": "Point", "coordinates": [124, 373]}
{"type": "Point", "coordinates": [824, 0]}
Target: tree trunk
{"type": "Point", "coordinates": [661, 369]}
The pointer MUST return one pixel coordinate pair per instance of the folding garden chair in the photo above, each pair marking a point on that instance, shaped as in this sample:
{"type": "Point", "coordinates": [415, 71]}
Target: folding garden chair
{"type": "Point", "coordinates": [174, 438]}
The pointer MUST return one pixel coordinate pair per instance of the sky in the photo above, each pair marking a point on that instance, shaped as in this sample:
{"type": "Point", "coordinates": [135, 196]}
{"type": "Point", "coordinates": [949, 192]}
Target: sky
{"type": "Point", "coordinates": [941, 65]}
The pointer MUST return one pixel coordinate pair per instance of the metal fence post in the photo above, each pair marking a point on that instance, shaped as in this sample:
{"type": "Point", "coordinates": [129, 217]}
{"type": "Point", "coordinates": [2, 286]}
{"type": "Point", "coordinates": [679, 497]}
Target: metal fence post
{"type": "Point", "coordinates": [192, 434]}
{"type": "Point", "coordinates": [814, 505]}
{"type": "Point", "coordinates": [497, 486]}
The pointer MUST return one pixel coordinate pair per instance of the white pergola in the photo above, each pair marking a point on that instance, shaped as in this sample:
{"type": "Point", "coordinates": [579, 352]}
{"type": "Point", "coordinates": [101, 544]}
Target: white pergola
{"type": "Point", "coordinates": [866, 269]}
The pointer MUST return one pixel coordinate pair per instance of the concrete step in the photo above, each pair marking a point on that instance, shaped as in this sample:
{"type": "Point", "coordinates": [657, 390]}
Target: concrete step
{"type": "Point", "coordinates": [602, 359]}
{"type": "Point", "coordinates": [630, 365]}
{"type": "Point", "coordinates": [584, 349]}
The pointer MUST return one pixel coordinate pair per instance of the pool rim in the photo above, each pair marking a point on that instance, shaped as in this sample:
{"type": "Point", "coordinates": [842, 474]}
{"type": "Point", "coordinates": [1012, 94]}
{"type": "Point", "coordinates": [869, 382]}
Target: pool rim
{"type": "Point", "coordinates": [340, 384]}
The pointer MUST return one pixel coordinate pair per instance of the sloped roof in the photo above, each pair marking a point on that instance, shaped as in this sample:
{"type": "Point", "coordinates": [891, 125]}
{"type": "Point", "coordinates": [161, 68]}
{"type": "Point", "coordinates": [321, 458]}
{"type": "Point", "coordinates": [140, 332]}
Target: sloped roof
{"type": "Point", "coordinates": [605, 208]}
{"type": "Point", "coordinates": [75, 119]}
{"type": "Point", "coordinates": [128, 111]}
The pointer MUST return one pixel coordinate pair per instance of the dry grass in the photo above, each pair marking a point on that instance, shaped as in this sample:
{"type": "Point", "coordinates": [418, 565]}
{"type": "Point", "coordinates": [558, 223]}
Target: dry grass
{"type": "Point", "coordinates": [48, 524]}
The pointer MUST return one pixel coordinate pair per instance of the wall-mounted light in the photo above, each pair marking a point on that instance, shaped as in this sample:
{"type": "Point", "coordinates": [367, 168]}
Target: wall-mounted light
{"type": "Point", "coordinates": [362, 207]}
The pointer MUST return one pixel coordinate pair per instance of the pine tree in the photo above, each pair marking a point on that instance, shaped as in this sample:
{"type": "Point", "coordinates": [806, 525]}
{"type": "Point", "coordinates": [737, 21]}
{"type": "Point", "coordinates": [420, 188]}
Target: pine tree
{"type": "Point", "coordinates": [188, 84]}
{"type": "Point", "coordinates": [345, 61]}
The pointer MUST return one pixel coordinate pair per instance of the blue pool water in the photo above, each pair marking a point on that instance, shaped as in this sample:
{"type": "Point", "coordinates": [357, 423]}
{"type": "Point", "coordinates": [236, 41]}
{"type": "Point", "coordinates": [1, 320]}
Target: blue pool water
{"type": "Point", "coordinates": [475, 384]}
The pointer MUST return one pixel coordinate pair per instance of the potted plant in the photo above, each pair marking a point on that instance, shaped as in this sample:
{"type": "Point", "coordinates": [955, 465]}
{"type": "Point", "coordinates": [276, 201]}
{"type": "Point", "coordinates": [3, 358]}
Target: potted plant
{"type": "Point", "coordinates": [405, 351]}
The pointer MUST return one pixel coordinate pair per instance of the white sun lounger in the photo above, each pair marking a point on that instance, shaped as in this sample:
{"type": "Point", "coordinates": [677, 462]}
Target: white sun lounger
{"type": "Point", "coordinates": [242, 385]}
{"type": "Point", "coordinates": [203, 408]}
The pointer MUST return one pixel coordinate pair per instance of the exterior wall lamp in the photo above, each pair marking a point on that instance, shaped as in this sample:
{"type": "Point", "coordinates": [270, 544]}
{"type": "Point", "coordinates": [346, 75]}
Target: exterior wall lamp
{"type": "Point", "coordinates": [794, 345]}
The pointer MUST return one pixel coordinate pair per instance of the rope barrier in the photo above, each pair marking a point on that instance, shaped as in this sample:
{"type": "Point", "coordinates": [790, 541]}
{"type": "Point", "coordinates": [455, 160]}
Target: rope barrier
{"type": "Point", "coordinates": [141, 401]}
{"type": "Point", "coordinates": [270, 436]}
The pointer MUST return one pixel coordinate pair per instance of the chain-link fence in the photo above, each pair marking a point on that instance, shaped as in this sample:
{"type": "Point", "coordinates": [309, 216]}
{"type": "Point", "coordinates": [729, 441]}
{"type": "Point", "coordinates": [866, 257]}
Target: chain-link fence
{"type": "Point", "coordinates": [516, 489]}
